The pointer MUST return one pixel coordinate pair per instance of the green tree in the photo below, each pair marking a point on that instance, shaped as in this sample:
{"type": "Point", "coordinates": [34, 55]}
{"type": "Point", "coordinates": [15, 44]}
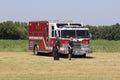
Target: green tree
{"type": "Point", "coordinates": [13, 30]}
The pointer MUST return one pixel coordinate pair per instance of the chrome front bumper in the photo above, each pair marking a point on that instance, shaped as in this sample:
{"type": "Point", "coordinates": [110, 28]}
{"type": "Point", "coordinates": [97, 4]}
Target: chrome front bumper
{"type": "Point", "coordinates": [79, 49]}
{"type": "Point", "coordinates": [82, 51]}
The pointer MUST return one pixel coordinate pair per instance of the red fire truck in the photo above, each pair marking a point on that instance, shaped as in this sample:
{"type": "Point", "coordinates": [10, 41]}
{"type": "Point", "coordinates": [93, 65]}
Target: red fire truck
{"type": "Point", "coordinates": [42, 35]}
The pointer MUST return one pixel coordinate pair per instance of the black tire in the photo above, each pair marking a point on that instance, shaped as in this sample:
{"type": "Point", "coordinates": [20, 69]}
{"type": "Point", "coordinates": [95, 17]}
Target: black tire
{"type": "Point", "coordinates": [35, 50]}
{"type": "Point", "coordinates": [84, 55]}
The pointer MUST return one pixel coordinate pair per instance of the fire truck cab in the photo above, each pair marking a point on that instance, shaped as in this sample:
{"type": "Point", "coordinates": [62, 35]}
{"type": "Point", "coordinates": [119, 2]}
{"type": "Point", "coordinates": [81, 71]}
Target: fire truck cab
{"type": "Point", "coordinates": [42, 35]}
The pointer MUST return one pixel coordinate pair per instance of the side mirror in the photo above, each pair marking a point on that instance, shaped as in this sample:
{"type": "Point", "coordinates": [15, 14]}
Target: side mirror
{"type": "Point", "coordinates": [90, 35]}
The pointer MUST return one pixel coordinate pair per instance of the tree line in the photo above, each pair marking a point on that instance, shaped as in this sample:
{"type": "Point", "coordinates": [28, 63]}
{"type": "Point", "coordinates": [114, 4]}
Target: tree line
{"type": "Point", "coordinates": [105, 32]}
{"type": "Point", "coordinates": [19, 30]}
{"type": "Point", "coordinates": [13, 30]}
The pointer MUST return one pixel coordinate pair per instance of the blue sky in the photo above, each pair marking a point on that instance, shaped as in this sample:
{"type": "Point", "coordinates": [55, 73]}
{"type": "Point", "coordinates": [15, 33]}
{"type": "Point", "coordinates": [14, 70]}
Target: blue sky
{"type": "Point", "coordinates": [92, 12]}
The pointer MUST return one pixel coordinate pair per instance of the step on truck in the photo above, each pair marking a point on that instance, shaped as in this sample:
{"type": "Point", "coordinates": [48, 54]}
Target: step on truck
{"type": "Point", "coordinates": [42, 35]}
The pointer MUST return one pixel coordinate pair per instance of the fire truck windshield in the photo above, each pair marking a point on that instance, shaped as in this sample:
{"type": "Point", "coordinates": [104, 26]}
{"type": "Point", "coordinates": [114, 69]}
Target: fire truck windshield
{"type": "Point", "coordinates": [75, 33]}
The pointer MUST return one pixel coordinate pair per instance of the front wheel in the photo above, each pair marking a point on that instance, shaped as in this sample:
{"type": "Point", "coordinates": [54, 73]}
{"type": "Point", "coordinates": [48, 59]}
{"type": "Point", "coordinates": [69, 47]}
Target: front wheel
{"type": "Point", "coordinates": [35, 50]}
{"type": "Point", "coordinates": [83, 55]}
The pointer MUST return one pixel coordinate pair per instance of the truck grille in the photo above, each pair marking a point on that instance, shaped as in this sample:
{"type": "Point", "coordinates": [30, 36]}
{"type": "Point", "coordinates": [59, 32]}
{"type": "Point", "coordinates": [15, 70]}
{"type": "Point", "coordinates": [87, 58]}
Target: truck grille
{"type": "Point", "coordinates": [76, 45]}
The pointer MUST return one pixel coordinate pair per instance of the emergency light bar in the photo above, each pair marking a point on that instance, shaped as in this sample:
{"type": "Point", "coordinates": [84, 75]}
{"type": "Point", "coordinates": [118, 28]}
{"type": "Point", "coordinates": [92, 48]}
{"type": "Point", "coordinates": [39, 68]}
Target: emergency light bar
{"type": "Point", "coordinates": [59, 21]}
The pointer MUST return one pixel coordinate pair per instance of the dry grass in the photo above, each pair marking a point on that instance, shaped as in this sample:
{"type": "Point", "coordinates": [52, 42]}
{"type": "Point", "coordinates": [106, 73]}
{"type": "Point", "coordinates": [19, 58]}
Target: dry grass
{"type": "Point", "coordinates": [25, 66]}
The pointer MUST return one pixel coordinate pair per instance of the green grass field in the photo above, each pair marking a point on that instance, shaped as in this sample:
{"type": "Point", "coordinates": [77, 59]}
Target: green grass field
{"type": "Point", "coordinates": [22, 46]}
{"type": "Point", "coordinates": [13, 46]}
{"type": "Point", "coordinates": [105, 46]}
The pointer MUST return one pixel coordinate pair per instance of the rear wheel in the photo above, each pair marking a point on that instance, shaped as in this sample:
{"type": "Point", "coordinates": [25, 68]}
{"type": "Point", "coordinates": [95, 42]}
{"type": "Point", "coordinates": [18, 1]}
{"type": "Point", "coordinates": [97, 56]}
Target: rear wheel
{"type": "Point", "coordinates": [35, 50]}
